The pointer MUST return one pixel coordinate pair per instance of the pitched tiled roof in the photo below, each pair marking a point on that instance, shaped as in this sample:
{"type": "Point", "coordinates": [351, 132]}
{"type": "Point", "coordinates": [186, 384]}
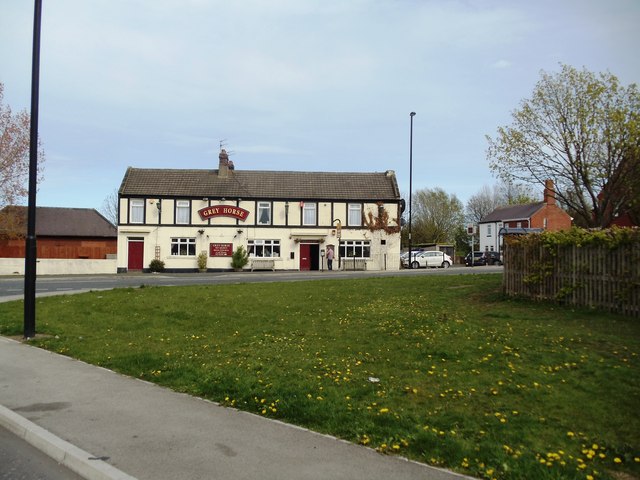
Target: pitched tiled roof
{"type": "Point", "coordinates": [260, 184]}
{"type": "Point", "coordinates": [68, 222]}
{"type": "Point", "coordinates": [513, 212]}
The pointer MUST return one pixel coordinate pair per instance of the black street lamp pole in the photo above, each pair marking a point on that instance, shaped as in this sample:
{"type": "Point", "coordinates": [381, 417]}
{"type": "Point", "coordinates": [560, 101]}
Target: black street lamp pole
{"type": "Point", "coordinates": [411, 115]}
{"type": "Point", "coordinates": [30, 245]}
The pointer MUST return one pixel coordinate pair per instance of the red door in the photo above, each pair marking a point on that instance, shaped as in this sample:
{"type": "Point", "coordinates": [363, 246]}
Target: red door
{"type": "Point", "coordinates": [305, 256]}
{"type": "Point", "coordinates": [136, 255]}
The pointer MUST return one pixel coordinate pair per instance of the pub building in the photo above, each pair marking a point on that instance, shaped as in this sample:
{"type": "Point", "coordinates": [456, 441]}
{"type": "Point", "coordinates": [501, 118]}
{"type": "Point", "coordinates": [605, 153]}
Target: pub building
{"type": "Point", "coordinates": [286, 220]}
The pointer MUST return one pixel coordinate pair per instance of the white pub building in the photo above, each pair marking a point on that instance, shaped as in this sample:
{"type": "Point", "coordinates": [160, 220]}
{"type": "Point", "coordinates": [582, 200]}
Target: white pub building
{"type": "Point", "coordinates": [285, 220]}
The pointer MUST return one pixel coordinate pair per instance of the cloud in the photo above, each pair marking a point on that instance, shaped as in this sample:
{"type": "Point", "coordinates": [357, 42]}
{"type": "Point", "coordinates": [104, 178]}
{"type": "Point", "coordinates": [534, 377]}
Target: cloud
{"type": "Point", "coordinates": [160, 82]}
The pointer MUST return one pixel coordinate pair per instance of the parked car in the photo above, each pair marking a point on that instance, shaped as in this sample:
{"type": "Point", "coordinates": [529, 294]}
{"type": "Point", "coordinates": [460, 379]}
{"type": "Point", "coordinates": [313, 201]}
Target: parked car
{"type": "Point", "coordinates": [483, 258]}
{"type": "Point", "coordinates": [405, 255]}
{"type": "Point", "coordinates": [429, 258]}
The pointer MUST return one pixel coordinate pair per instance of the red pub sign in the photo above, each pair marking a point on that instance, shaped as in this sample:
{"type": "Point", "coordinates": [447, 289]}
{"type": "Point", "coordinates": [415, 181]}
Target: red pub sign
{"type": "Point", "coordinates": [220, 249]}
{"type": "Point", "coordinates": [223, 211]}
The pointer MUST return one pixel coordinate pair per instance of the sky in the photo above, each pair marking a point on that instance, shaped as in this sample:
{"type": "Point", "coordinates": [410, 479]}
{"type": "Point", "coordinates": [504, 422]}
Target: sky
{"type": "Point", "coordinates": [301, 85]}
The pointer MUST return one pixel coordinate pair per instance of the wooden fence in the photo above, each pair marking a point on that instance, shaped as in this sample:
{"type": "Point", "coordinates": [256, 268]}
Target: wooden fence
{"type": "Point", "coordinates": [61, 247]}
{"type": "Point", "coordinates": [593, 276]}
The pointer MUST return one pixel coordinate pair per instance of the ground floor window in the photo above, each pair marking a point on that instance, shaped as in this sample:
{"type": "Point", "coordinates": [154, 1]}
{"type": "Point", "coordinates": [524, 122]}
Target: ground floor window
{"type": "Point", "coordinates": [264, 248]}
{"type": "Point", "coordinates": [183, 247]}
{"type": "Point", "coordinates": [355, 248]}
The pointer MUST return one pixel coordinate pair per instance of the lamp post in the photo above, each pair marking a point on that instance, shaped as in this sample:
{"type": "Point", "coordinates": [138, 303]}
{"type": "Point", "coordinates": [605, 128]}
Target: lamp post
{"type": "Point", "coordinates": [339, 235]}
{"type": "Point", "coordinates": [411, 115]}
{"type": "Point", "coordinates": [30, 243]}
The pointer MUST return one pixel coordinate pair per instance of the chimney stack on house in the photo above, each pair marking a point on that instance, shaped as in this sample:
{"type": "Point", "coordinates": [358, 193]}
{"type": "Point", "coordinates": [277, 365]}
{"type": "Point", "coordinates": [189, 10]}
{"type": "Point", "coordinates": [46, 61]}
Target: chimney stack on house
{"type": "Point", "coordinates": [223, 167]}
{"type": "Point", "coordinates": [549, 192]}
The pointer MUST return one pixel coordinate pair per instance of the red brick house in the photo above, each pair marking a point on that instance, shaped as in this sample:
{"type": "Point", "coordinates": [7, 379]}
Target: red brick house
{"type": "Point", "coordinates": [545, 215]}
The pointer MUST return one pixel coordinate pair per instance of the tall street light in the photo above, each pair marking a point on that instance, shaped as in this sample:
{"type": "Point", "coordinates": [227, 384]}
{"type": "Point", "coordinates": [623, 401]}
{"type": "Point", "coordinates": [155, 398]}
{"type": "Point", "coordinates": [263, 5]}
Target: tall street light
{"type": "Point", "coordinates": [30, 243]}
{"type": "Point", "coordinates": [411, 115]}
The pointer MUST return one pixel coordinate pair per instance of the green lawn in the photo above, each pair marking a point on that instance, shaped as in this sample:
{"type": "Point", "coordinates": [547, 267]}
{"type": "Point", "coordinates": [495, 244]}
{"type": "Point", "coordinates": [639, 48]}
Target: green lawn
{"type": "Point", "coordinates": [441, 369]}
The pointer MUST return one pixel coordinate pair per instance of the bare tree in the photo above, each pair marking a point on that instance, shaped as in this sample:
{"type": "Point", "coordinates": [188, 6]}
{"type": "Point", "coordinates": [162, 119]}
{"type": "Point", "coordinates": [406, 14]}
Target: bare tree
{"type": "Point", "coordinates": [109, 208]}
{"type": "Point", "coordinates": [483, 203]}
{"type": "Point", "coordinates": [516, 193]}
{"type": "Point", "coordinates": [14, 164]}
{"type": "Point", "coordinates": [501, 194]}
{"type": "Point", "coordinates": [577, 129]}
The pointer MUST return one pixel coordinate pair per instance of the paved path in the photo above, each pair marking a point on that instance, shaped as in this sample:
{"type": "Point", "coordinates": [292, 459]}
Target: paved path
{"type": "Point", "coordinates": [109, 426]}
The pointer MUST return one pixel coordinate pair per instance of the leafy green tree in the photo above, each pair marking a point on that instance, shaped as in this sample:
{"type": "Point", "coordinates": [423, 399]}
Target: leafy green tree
{"type": "Point", "coordinates": [577, 129]}
{"type": "Point", "coordinates": [461, 241]}
{"type": "Point", "coordinates": [436, 216]}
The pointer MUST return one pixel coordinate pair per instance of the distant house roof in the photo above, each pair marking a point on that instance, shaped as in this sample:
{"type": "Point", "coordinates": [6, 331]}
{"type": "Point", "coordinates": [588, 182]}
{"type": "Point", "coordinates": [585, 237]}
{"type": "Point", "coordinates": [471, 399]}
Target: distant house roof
{"type": "Point", "coordinates": [260, 184]}
{"type": "Point", "coordinates": [513, 212]}
{"type": "Point", "coordinates": [67, 222]}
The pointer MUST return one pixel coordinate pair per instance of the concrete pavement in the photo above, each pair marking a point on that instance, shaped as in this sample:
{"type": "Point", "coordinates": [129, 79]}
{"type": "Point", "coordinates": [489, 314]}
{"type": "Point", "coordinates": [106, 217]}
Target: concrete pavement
{"type": "Point", "coordinates": [108, 426]}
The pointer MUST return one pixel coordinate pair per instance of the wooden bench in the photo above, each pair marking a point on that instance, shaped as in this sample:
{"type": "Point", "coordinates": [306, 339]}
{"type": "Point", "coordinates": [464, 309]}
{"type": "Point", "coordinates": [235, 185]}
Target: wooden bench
{"type": "Point", "coordinates": [354, 264]}
{"type": "Point", "coordinates": [263, 264]}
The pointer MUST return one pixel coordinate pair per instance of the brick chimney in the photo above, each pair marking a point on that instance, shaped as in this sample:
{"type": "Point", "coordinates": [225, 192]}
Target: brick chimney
{"type": "Point", "coordinates": [223, 167]}
{"type": "Point", "coordinates": [549, 192]}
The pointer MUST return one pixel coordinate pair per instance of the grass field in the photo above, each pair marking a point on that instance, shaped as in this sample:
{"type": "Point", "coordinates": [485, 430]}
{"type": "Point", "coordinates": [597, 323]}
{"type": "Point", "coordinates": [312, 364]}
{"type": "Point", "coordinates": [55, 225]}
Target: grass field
{"type": "Point", "coordinates": [443, 370]}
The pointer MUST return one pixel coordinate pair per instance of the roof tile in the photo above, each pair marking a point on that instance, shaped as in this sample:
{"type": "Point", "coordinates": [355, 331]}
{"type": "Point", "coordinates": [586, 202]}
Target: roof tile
{"type": "Point", "coordinates": [260, 184]}
{"type": "Point", "coordinates": [69, 222]}
{"type": "Point", "coordinates": [513, 212]}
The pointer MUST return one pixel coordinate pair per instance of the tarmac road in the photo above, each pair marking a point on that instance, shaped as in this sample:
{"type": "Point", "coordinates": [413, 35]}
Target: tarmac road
{"type": "Point", "coordinates": [12, 287]}
{"type": "Point", "coordinates": [20, 460]}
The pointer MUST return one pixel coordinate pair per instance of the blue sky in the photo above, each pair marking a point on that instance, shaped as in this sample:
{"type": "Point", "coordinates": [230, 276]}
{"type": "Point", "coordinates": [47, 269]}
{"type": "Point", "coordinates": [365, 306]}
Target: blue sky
{"type": "Point", "coordinates": [310, 85]}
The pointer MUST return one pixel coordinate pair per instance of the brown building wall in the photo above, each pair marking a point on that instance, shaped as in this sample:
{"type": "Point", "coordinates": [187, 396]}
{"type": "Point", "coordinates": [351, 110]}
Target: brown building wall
{"type": "Point", "coordinates": [514, 224]}
{"type": "Point", "coordinates": [61, 247]}
{"type": "Point", "coordinates": [557, 219]}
